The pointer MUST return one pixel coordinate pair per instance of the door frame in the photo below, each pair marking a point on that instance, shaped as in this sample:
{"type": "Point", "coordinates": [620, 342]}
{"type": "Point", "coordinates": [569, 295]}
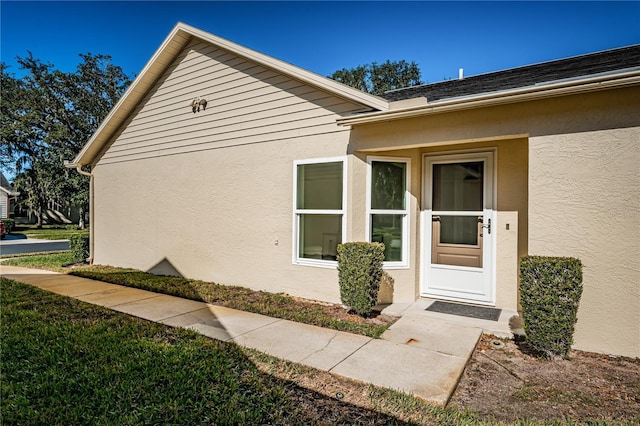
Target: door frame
{"type": "Point", "coordinates": [489, 156]}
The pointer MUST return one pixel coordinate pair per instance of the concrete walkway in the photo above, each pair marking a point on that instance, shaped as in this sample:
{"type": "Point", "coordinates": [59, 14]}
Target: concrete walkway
{"type": "Point", "coordinates": [423, 354]}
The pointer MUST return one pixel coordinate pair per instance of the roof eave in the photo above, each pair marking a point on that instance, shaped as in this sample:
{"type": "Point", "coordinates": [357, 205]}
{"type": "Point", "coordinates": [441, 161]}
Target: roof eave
{"type": "Point", "coordinates": [161, 59]}
{"type": "Point", "coordinates": [9, 192]}
{"type": "Point", "coordinates": [588, 84]}
{"type": "Point", "coordinates": [301, 74]}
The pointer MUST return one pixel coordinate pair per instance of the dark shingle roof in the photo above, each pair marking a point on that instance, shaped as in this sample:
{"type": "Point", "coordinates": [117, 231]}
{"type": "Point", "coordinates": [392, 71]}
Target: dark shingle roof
{"type": "Point", "coordinates": [574, 67]}
{"type": "Point", "coordinates": [4, 183]}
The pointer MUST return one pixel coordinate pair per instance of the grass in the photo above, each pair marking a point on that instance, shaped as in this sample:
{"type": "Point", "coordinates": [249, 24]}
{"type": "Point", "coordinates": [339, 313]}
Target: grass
{"type": "Point", "coordinates": [49, 232]}
{"type": "Point", "coordinates": [33, 254]}
{"type": "Point", "coordinates": [68, 362]}
{"type": "Point", "coordinates": [531, 392]}
{"type": "Point", "coordinates": [51, 261]}
{"type": "Point", "coordinates": [270, 304]}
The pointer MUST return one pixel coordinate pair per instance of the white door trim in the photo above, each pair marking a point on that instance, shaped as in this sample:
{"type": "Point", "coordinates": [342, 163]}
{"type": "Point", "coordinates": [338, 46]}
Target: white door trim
{"type": "Point", "coordinates": [487, 296]}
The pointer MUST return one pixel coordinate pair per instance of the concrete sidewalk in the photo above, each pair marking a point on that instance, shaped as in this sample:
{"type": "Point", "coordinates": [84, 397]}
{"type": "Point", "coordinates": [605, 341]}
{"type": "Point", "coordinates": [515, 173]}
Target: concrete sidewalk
{"type": "Point", "coordinates": [420, 355]}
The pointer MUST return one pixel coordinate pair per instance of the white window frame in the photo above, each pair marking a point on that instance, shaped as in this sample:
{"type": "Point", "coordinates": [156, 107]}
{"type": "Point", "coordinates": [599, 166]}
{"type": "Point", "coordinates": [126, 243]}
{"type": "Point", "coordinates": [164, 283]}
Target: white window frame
{"type": "Point", "coordinates": [404, 263]}
{"type": "Point", "coordinates": [320, 263]}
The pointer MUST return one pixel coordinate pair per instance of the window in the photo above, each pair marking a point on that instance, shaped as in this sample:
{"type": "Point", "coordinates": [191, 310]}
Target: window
{"type": "Point", "coordinates": [320, 200]}
{"type": "Point", "coordinates": [388, 207]}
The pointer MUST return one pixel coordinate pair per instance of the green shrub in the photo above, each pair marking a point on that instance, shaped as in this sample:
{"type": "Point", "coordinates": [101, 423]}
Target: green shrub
{"type": "Point", "coordinates": [359, 275]}
{"type": "Point", "coordinates": [9, 224]}
{"type": "Point", "coordinates": [550, 290]}
{"type": "Point", "coordinates": [79, 245]}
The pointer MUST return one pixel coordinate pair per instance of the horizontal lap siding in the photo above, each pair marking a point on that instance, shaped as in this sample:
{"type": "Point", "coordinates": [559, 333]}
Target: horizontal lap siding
{"type": "Point", "coordinates": [247, 104]}
{"type": "Point", "coordinates": [211, 193]}
{"type": "Point", "coordinates": [4, 205]}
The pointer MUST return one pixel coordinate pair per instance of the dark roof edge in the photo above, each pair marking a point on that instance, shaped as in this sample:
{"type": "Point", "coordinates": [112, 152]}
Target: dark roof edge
{"type": "Point", "coordinates": [535, 64]}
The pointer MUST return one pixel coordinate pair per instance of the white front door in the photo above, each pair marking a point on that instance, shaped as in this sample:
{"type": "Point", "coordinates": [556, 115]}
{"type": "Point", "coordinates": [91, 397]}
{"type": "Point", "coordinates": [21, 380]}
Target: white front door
{"type": "Point", "coordinates": [458, 227]}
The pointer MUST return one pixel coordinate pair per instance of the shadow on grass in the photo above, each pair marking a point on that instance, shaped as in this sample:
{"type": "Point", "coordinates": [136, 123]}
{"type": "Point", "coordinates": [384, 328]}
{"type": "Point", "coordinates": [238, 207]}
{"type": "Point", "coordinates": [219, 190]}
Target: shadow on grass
{"type": "Point", "coordinates": [68, 362]}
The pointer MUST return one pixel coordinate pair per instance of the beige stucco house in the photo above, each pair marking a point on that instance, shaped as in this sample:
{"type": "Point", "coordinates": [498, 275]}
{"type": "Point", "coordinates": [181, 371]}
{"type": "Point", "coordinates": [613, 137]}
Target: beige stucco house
{"type": "Point", "coordinates": [459, 179]}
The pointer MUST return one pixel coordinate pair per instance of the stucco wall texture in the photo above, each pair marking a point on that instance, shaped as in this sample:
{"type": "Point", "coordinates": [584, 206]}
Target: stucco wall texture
{"type": "Point", "coordinates": [213, 198]}
{"type": "Point", "coordinates": [581, 196]}
{"type": "Point", "coordinates": [584, 202]}
{"type": "Point", "coordinates": [209, 194]}
{"type": "Point", "coordinates": [221, 215]}
{"type": "Point", "coordinates": [511, 203]}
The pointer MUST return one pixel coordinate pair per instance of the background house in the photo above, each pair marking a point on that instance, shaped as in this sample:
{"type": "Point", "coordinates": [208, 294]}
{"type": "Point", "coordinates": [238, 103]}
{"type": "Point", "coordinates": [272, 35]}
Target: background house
{"type": "Point", "coordinates": [459, 179]}
{"type": "Point", "coordinates": [6, 195]}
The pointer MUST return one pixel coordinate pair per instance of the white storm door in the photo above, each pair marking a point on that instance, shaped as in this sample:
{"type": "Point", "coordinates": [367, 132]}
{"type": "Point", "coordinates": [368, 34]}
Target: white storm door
{"type": "Point", "coordinates": [459, 228]}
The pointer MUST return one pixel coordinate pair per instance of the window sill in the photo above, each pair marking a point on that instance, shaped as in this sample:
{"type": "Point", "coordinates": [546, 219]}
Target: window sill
{"type": "Point", "coordinates": [394, 265]}
{"type": "Point", "coordinates": [326, 264]}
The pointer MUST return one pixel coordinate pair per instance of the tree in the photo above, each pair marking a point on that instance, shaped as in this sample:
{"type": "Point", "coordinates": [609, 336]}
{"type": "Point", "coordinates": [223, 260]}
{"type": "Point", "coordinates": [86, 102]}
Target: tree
{"type": "Point", "coordinates": [47, 116]}
{"type": "Point", "coordinates": [378, 78]}
{"type": "Point", "coordinates": [36, 185]}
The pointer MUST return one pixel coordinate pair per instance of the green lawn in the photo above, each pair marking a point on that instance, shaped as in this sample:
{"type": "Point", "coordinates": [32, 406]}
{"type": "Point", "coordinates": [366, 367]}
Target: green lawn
{"type": "Point", "coordinates": [67, 362]}
{"type": "Point", "coordinates": [52, 261]}
{"type": "Point", "coordinates": [270, 304]}
{"type": "Point", "coordinates": [49, 232]}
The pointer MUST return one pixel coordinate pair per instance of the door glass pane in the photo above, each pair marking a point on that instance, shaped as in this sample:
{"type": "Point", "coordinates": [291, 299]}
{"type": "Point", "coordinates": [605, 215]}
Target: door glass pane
{"type": "Point", "coordinates": [320, 186]}
{"type": "Point", "coordinates": [387, 229]}
{"type": "Point", "coordinates": [459, 230]}
{"type": "Point", "coordinates": [388, 184]}
{"type": "Point", "coordinates": [320, 235]}
{"type": "Point", "coordinates": [458, 186]}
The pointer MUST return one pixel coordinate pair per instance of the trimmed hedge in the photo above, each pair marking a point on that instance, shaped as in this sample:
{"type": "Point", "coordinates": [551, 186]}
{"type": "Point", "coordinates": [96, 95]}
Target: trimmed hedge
{"type": "Point", "coordinates": [359, 275]}
{"type": "Point", "coordinates": [9, 224]}
{"type": "Point", "coordinates": [550, 291]}
{"type": "Point", "coordinates": [79, 245]}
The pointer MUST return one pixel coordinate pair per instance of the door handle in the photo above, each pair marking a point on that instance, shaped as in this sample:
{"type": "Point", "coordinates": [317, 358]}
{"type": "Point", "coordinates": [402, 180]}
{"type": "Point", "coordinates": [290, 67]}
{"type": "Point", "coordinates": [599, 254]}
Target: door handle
{"type": "Point", "coordinates": [488, 226]}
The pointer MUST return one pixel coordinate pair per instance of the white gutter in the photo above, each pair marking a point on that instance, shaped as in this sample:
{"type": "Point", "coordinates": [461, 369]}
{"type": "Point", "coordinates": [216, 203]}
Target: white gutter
{"type": "Point", "coordinates": [528, 93]}
{"type": "Point", "coordinates": [78, 168]}
{"type": "Point", "coordinates": [10, 193]}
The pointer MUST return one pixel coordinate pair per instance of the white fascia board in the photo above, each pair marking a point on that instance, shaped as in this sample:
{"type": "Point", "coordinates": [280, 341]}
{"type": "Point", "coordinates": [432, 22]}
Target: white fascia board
{"type": "Point", "coordinates": [132, 96]}
{"type": "Point", "coordinates": [528, 93]}
{"type": "Point", "coordinates": [9, 192]}
{"type": "Point", "coordinates": [298, 73]}
{"type": "Point", "coordinates": [170, 48]}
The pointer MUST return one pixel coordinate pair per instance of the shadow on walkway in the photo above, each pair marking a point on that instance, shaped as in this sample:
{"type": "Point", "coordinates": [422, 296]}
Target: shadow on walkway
{"type": "Point", "coordinates": [243, 391]}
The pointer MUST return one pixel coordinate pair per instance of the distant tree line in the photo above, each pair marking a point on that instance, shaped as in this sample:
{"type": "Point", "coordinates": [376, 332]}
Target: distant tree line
{"type": "Point", "coordinates": [377, 78]}
{"type": "Point", "coordinates": [46, 117]}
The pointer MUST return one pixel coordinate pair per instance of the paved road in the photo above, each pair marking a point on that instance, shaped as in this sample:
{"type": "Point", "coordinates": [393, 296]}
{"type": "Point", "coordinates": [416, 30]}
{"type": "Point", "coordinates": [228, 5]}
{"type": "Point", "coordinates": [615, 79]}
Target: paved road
{"type": "Point", "coordinates": [17, 246]}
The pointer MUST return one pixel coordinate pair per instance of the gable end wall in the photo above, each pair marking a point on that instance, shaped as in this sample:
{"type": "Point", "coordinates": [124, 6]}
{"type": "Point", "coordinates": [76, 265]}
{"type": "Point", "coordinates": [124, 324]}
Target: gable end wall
{"type": "Point", "coordinates": [208, 195]}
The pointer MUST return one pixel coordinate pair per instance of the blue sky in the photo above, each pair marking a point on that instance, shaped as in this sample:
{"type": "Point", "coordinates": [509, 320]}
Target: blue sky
{"type": "Point", "coordinates": [325, 36]}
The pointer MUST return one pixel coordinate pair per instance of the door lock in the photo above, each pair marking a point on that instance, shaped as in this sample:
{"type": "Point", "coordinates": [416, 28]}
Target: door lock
{"type": "Point", "coordinates": [488, 226]}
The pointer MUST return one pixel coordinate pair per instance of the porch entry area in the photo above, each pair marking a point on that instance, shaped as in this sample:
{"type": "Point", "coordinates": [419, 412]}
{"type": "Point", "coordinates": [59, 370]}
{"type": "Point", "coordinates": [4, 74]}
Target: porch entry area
{"type": "Point", "coordinates": [458, 220]}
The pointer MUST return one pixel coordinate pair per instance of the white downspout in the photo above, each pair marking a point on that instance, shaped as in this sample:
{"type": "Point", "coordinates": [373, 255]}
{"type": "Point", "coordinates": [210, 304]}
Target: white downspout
{"type": "Point", "coordinates": [78, 168]}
